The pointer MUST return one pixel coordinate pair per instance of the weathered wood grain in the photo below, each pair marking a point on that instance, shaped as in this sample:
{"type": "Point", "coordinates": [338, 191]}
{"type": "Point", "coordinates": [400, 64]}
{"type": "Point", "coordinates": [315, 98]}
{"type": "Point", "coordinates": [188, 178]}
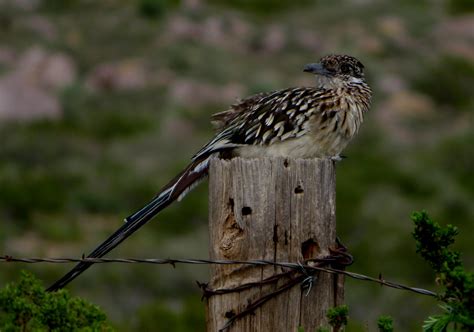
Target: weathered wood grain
{"type": "Point", "coordinates": [275, 209]}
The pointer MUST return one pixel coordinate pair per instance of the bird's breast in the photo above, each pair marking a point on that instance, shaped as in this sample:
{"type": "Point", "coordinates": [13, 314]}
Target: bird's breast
{"type": "Point", "coordinates": [300, 147]}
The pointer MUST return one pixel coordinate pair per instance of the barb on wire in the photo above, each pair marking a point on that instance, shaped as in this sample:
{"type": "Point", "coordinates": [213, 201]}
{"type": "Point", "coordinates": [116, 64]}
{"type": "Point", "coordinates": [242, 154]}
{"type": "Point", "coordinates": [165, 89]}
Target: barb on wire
{"type": "Point", "coordinates": [309, 266]}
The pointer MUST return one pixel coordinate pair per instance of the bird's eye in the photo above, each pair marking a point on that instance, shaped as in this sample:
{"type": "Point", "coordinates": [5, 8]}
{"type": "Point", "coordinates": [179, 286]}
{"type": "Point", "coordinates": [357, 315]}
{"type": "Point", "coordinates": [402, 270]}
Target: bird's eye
{"type": "Point", "coordinates": [345, 68]}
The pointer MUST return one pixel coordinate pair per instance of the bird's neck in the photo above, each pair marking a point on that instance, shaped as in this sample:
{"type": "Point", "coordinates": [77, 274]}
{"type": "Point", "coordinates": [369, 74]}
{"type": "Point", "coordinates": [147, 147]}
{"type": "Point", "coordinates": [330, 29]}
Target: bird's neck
{"type": "Point", "coordinates": [358, 93]}
{"type": "Point", "coordinates": [335, 83]}
{"type": "Point", "coordinates": [355, 92]}
{"type": "Point", "coordinates": [354, 88]}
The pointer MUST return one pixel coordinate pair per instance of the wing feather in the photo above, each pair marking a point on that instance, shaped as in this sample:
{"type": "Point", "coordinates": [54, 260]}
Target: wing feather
{"type": "Point", "coordinates": [266, 118]}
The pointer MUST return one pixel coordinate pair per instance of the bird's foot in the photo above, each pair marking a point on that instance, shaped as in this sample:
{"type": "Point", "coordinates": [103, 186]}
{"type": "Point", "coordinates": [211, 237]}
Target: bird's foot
{"type": "Point", "coordinates": [338, 158]}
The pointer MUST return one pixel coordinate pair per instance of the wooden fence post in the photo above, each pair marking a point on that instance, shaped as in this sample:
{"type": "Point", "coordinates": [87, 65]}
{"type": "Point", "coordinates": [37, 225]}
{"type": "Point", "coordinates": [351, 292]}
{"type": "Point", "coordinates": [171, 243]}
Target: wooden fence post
{"type": "Point", "coordinates": [274, 209]}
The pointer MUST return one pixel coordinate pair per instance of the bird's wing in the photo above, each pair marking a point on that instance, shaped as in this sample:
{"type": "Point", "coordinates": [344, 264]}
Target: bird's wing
{"type": "Point", "coordinates": [222, 119]}
{"type": "Point", "coordinates": [266, 118]}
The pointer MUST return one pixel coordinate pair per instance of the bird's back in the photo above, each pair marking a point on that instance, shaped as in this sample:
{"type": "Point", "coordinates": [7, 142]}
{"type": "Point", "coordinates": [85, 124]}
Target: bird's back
{"type": "Point", "coordinates": [301, 122]}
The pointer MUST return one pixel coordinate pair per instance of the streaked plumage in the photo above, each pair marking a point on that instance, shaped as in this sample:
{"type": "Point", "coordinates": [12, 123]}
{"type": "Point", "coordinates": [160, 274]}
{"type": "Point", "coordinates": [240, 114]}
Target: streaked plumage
{"type": "Point", "coordinates": [305, 122]}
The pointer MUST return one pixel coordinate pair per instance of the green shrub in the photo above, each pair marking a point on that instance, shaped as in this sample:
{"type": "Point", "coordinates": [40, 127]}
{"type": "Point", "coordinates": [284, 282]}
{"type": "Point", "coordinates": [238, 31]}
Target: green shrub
{"type": "Point", "coordinates": [432, 242]}
{"type": "Point", "coordinates": [337, 317]}
{"type": "Point", "coordinates": [26, 306]}
{"type": "Point", "coordinates": [385, 324]}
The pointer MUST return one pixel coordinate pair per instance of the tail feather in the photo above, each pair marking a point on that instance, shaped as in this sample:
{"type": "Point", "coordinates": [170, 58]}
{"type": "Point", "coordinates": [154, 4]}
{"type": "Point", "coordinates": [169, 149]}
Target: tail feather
{"type": "Point", "coordinates": [174, 190]}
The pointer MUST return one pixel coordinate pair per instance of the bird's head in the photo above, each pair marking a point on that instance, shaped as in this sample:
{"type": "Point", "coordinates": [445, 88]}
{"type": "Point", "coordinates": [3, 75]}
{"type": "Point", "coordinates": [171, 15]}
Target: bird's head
{"type": "Point", "coordinates": [337, 70]}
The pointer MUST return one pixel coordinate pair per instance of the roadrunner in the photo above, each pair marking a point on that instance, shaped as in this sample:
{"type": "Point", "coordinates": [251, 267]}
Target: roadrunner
{"type": "Point", "coordinates": [302, 122]}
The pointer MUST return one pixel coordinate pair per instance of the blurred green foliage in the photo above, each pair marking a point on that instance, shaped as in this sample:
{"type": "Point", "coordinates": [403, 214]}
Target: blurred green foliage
{"type": "Point", "coordinates": [58, 6]}
{"type": "Point", "coordinates": [448, 80]}
{"type": "Point", "coordinates": [459, 7]}
{"type": "Point", "coordinates": [60, 170]}
{"type": "Point", "coordinates": [155, 8]}
{"type": "Point", "coordinates": [107, 116]}
{"type": "Point", "coordinates": [26, 306]}
{"type": "Point", "coordinates": [263, 7]}
{"type": "Point", "coordinates": [159, 317]}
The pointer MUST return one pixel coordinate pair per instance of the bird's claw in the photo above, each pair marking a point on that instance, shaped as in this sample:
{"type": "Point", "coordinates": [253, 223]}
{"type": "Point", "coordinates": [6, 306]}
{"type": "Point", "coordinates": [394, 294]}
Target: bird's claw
{"type": "Point", "coordinates": [338, 158]}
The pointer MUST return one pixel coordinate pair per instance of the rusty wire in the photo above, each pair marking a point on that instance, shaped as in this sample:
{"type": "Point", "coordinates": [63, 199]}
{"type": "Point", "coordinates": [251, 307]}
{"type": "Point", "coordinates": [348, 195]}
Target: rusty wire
{"type": "Point", "coordinates": [308, 266]}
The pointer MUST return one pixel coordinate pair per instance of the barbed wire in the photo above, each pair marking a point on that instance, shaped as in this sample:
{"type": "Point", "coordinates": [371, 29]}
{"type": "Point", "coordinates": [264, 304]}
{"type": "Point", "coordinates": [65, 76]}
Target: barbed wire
{"type": "Point", "coordinates": [173, 261]}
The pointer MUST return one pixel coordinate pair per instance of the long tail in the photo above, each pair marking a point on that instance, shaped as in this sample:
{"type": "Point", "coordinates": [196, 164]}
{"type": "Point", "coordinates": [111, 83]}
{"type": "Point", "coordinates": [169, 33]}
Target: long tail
{"type": "Point", "coordinates": [174, 190]}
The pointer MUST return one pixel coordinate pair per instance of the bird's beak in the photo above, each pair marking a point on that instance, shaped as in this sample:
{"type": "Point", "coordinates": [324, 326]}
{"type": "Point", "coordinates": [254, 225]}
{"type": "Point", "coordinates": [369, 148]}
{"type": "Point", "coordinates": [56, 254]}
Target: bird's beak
{"type": "Point", "coordinates": [315, 68]}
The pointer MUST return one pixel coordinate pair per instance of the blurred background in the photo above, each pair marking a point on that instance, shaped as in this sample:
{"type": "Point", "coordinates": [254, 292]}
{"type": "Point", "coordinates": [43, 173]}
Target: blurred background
{"type": "Point", "coordinates": [102, 102]}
